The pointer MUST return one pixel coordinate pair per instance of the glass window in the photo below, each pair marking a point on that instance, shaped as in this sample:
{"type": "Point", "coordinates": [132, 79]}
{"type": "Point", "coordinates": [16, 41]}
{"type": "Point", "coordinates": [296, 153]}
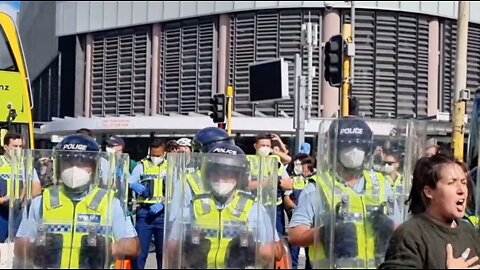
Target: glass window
{"type": "Point", "coordinates": [7, 60]}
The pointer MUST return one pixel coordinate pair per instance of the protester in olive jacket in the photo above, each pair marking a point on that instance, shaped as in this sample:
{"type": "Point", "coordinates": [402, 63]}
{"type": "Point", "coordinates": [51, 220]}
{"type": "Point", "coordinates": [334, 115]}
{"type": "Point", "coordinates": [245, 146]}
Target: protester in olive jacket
{"type": "Point", "coordinates": [437, 236]}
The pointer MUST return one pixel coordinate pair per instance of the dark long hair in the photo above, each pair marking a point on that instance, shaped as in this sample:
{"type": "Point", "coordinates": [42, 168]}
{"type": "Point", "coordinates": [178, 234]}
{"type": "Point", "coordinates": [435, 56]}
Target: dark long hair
{"type": "Point", "coordinates": [427, 173]}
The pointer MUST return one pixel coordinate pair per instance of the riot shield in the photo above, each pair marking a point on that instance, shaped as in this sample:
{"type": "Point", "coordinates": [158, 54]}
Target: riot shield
{"type": "Point", "coordinates": [214, 220]}
{"type": "Point", "coordinates": [71, 225]}
{"type": "Point", "coordinates": [357, 205]}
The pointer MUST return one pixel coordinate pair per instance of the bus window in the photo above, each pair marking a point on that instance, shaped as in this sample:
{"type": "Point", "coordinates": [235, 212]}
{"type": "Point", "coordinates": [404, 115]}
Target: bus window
{"type": "Point", "coordinates": [7, 62]}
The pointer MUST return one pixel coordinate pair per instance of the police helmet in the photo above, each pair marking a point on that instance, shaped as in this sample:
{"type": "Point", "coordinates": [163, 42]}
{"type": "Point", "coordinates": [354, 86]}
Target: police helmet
{"type": "Point", "coordinates": [351, 131]}
{"type": "Point", "coordinates": [207, 138]}
{"type": "Point", "coordinates": [77, 149]}
{"type": "Point", "coordinates": [226, 159]}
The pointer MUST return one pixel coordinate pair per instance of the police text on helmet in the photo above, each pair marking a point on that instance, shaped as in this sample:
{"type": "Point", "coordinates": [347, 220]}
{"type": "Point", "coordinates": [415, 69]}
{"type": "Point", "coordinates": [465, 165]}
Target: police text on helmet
{"type": "Point", "coordinates": [72, 146]}
{"type": "Point", "coordinates": [358, 131]}
{"type": "Point", "coordinates": [226, 151]}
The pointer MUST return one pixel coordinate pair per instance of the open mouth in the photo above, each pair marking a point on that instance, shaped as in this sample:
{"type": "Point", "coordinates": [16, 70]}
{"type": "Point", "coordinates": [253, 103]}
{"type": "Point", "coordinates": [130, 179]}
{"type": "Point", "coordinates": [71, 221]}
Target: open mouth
{"type": "Point", "coordinates": [461, 204]}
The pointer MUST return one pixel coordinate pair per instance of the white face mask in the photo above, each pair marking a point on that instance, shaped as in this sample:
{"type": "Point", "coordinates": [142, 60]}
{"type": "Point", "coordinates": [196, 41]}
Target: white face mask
{"type": "Point", "coordinates": [223, 189]}
{"type": "Point", "coordinates": [298, 169]}
{"type": "Point", "coordinates": [388, 168]}
{"type": "Point", "coordinates": [352, 157]}
{"type": "Point", "coordinates": [157, 160]}
{"type": "Point", "coordinates": [110, 149]}
{"type": "Point", "coordinates": [75, 177]}
{"type": "Point", "coordinates": [264, 151]}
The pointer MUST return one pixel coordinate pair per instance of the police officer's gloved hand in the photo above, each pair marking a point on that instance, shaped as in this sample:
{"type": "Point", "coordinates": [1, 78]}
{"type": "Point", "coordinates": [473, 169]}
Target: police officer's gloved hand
{"type": "Point", "coordinates": [195, 254]}
{"type": "Point", "coordinates": [48, 254]}
{"type": "Point", "coordinates": [95, 255]}
{"type": "Point", "coordinates": [138, 188]}
{"type": "Point", "coordinates": [238, 256]}
{"type": "Point", "coordinates": [345, 239]}
{"type": "Point", "coordinates": [383, 228]}
{"type": "Point", "coordinates": [156, 208]}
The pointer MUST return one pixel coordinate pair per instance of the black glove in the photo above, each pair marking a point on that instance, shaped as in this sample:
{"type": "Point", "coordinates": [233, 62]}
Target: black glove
{"type": "Point", "coordinates": [48, 253]}
{"type": "Point", "coordinates": [238, 256]}
{"type": "Point", "coordinates": [195, 256]}
{"type": "Point", "coordinates": [95, 254]}
{"type": "Point", "coordinates": [345, 237]}
{"type": "Point", "coordinates": [383, 228]}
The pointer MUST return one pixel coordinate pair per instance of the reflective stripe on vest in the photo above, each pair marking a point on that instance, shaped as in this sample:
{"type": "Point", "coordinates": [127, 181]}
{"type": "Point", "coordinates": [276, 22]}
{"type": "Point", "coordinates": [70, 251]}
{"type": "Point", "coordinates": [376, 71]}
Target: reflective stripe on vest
{"type": "Point", "coordinates": [354, 208]}
{"type": "Point", "coordinates": [221, 226]}
{"type": "Point", "coordinates": [195, 183]}
{"type": "Point", "coordinates": [88, 218]}
{"type": "Point", "coordinates": [153, 181]}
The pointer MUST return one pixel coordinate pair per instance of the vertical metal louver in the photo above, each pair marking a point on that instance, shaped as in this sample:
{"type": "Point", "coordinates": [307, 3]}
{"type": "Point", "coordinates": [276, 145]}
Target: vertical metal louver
{"type": "Point", "coordinates": [447, 71]}
{"type": "Point", "coordinates": [188, 70]}
{"type": "Point", "coordinates": [473, 62]}
{"type": "Point", "coordinates": [120, 72]}
{"type": "Point", "coordinates": [46, 93]}
{"type": "Point", "coordinates": [447, 64]}
{"type": "Point", "coordinates": [265, 35]}
{"type": "Point", "coordinates": [391, 63]}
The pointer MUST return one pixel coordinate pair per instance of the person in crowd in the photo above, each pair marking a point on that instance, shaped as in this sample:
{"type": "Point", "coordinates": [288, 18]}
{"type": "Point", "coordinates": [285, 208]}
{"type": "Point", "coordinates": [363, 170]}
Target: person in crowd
{"type": "Point", "coordinates": [435, 237]}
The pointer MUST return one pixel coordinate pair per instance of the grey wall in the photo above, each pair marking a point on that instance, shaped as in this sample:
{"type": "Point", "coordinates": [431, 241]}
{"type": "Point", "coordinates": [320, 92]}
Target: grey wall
{"type": "Point", "coordinates": [88, 16]}
{"type": "Point", "coordinates": [36, 23]}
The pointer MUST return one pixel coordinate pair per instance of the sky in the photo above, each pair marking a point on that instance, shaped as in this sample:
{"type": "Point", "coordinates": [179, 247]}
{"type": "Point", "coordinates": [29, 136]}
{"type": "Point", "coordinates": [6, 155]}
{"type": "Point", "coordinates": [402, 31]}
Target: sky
{"type": "Point", "coordinates": [10, 7]}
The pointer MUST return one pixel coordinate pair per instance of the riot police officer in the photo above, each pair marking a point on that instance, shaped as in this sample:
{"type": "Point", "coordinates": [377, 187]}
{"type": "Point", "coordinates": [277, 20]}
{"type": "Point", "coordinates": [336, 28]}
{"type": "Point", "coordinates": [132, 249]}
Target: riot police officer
{"type": "Point", "coordinates": [345, 204]}
{"type": "Point", "coordinates": [225, 225]}
{"type": "Point", "coordinates": [75, 223]}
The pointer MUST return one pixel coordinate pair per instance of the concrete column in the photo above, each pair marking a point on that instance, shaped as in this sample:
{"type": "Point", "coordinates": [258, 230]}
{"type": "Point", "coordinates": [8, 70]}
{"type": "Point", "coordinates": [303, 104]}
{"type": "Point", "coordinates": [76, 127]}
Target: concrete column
{"type": "Point", "coordinates": [223, 52]}
{"type": "Point", "coordinates": [88, 75]}
{"type": "Point", "coordinates": [330, 95]}
{"type": "Point", "coordinates": [433, 66]}
{"type": "Point", "coordinates": [154, 87]}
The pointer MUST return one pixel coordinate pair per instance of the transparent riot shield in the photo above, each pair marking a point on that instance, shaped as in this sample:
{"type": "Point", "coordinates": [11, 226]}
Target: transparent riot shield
{"type": "Point", "coordinates": [71, 225]}
{"type": "Point", "coordinates": [358, 205]}
{"type": "Point", "coordinates": [214, 220]}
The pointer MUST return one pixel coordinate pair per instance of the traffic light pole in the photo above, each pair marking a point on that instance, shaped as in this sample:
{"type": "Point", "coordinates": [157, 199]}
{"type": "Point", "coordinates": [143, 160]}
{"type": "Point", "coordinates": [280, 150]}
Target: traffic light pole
{"type": "Point", "coordinates": [299, 119]}
{"type": "Point", "coordinates": [229, 109]}
{"type": "Point", "coordinates": [347, 36]}
{"type": "Point", "coordinates": [461, 94]}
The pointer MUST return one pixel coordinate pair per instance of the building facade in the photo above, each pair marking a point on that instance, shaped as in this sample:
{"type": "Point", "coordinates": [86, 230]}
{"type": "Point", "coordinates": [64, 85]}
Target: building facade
{"type": "Point", "coordinates": [125, 67]}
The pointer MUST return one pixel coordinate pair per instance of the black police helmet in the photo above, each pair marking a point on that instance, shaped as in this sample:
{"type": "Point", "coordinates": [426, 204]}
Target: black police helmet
{"type": "Point", "coordinates": [207, 138]}
{"type": "Point", "coordinates": [78, 142]}
{"type": "Point", "coordinates": [349, 131]}
{"type": "Point", "coordinates": [77, 146]}
{"type": "Point", "coordinates": [225, 158]}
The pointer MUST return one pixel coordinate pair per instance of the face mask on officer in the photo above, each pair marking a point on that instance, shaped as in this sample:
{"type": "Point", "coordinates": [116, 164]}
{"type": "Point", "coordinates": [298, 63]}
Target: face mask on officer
{"type": "Point", "coordinates": [223, 182]}
{"type": "Point", "coordinates": [352, 157]}
{"type": "Point", "coordinates": [388, 168]}
{"type": "Point", "coordinates": [157, 160]}
{"type": "Point", "coordinates": [264, 151]}
{"type": "Point", "coordinates": [75, 177]}
{"type": "Point", "coordinates": [298, 168]}
{"type": "Point", "coordinates": [223, 189]}
{"type": "Point", "coordinates": [110, 150]}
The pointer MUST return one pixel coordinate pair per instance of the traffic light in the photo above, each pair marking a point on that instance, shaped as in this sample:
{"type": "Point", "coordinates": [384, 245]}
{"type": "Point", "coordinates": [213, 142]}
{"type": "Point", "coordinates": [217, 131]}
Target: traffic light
{"type": "Point", "coordinates": [218, 108]}
{"type": "Point", "coordinates": [333, 64]}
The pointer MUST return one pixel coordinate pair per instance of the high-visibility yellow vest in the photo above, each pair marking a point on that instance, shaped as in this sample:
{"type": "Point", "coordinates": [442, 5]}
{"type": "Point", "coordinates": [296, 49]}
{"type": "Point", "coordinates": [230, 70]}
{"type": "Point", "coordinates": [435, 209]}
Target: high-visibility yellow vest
{"type": "Point", "coordinates": [222, 226]}
{"type": "Point", "coordinates": [74, 222]}
{"type": "Point", "coordinates": [254, 161]}
{"type": "Point", "coordinates": [152, 179]}
{"type": "Point", "coordinates": [299, 183]}
{"type": "Point", "coordinates": [359, 205]}
{"type": "Point", "coordinates": [6, 185]}
{"type": "Point", "coordinates": [473, 219]}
